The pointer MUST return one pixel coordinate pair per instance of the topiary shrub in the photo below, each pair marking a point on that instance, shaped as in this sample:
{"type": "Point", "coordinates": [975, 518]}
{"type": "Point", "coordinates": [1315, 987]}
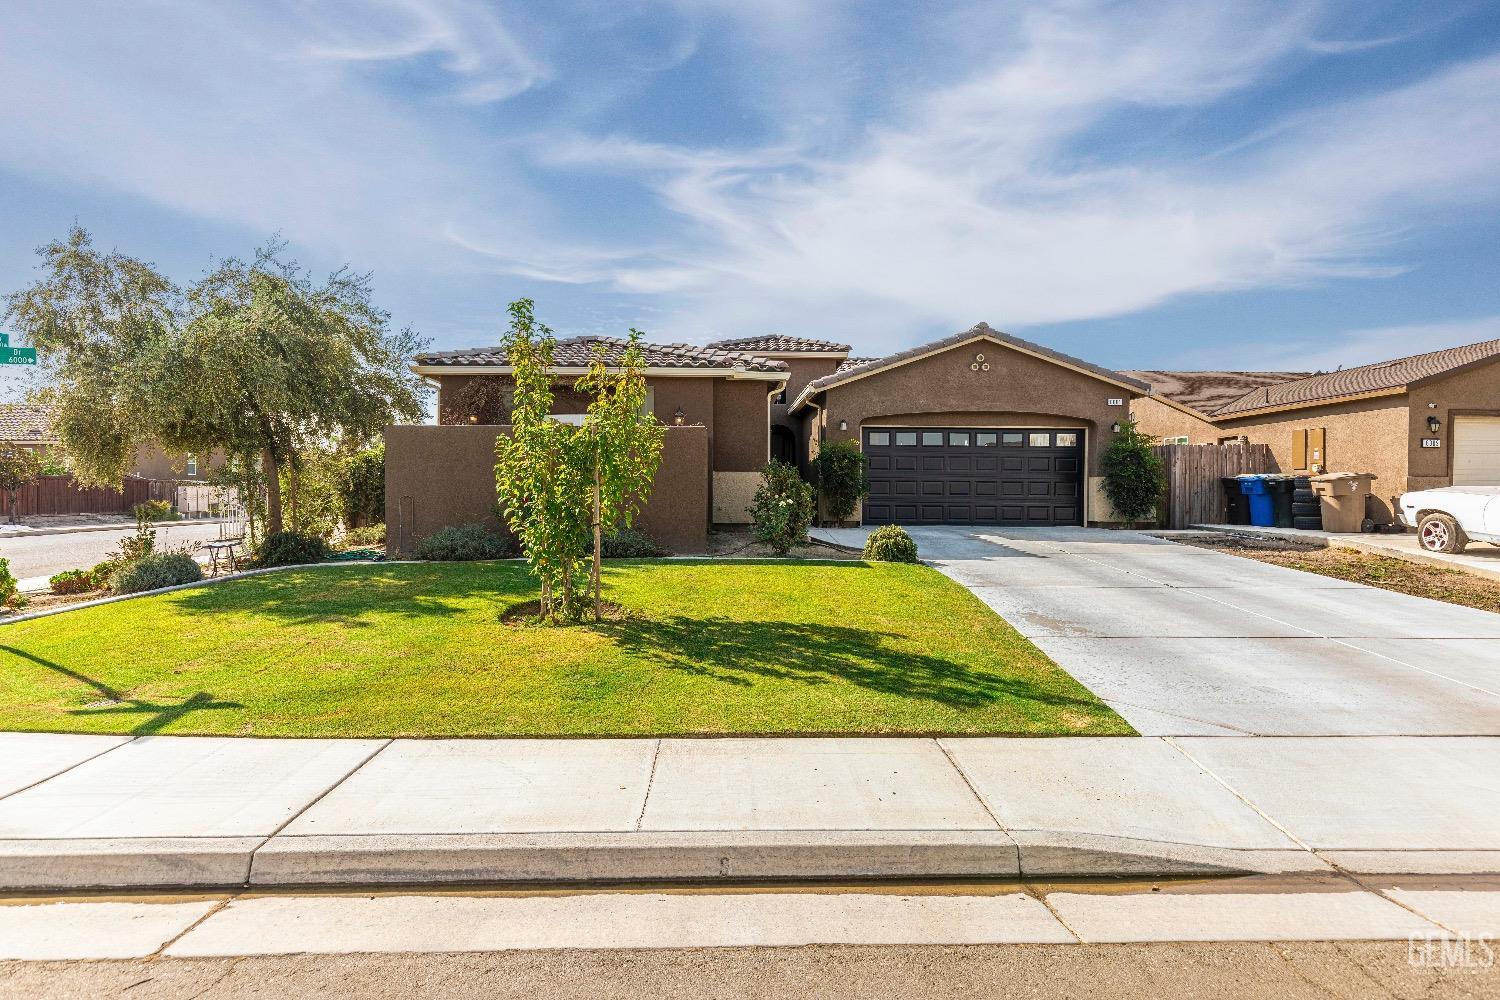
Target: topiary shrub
{"type": "Point", "coordinates": [291, 548]}
{"type": "Point", "coordinates": [464, 543]}
{"type": "Point", "coordinates": [890, 543]}
{"type": "Point", "coordinates": [628, 543]}
{"type": "Point", "coordinates": [162, 569]}
{"type": "Point", "coordinates": [842, 477]}
{"type": "Point", "coordinates": [782, 509]}
{"type": "Point", "coordinates": [72, 581]}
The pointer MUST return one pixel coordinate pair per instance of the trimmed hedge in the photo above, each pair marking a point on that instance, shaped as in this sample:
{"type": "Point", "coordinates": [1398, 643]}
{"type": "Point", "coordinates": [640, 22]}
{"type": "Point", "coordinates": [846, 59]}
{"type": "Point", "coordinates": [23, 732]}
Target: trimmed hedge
{"type": "Point", "coordinates": [627, 543]}
{"type": "Point", "coordinates": [463, 543]}
{"type": "Point", "coordinates": [891, 543]}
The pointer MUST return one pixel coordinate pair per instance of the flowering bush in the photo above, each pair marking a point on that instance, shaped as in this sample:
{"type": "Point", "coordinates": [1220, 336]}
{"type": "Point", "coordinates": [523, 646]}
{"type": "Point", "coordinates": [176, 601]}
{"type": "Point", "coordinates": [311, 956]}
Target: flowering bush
{"type": "Point", "coordinates": [782, 508]}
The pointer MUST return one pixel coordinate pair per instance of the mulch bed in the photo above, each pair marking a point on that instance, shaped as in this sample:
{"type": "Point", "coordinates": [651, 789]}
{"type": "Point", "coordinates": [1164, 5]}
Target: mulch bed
{"type": "Point", "coordinates": [742, 545]}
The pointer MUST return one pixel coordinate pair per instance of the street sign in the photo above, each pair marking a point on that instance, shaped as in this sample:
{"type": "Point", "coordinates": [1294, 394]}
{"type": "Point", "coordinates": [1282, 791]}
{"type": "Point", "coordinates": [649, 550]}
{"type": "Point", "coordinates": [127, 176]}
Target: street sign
{"type": "Point", "coordinates": [17, 355]}
{"type": "Point", "coordinates": [4, 340]}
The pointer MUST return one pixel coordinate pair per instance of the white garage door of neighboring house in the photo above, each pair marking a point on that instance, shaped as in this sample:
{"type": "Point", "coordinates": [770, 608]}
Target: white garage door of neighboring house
{"type": "Point", "coordinates": [1476, 451]}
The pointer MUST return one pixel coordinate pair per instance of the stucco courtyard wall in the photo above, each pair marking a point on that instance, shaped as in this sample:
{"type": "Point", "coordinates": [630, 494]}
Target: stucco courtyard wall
{"type": "Point", "coordinates": [439, 476]}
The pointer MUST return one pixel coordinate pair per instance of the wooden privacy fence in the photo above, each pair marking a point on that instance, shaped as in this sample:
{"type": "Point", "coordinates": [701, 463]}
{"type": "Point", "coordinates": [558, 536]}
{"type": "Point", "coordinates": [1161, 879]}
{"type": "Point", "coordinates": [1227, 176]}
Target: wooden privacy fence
{"type": "Point", "coordinates": [61, 495]}
{"type": "Point", "coordinates": [1193, 471]}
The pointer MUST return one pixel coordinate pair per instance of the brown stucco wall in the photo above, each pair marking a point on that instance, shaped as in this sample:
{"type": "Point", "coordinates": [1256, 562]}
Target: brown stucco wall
{"type": "Point", "coordinates": [800, 372]}
{"type": "Point", "coordinates": [741, 431]}
{"type": "Point", "coordinates": [1018, 390]}
{"type": "Point", "coordinates": [439, 476]}
{"type": "Point", "coordinates": [1474, 392]}
{"type": "Point", "coordinates": [153, 463]}
{"type": "Point", "coordinates": [1156, 418]}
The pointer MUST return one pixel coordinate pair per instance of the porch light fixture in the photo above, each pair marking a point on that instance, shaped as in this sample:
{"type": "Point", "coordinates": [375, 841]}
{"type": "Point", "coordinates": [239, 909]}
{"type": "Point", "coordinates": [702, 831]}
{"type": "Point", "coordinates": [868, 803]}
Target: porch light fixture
{"type": "Point", "coordinates": [843, 425]}
{"type": "Point", "coordinates": [679, 417]}
{"type": "Point", "coordinates": [1433, 423]}
{"type": "Point", "coordinates": [1115, 427]}
{"type": "Point", "coordinates": [473, 418]}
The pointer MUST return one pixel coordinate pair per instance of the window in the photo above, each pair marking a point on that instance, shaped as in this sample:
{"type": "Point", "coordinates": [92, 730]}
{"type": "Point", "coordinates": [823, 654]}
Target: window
{"type": "Point", "coordinates": [931, 438]}
{"type": "Point", "coordinates": [879, 439]}
{"type": "Point", "coordinates": [1067, 439]}
{"type": "Point", "coordinates": [1011, 440]}
{"type": "Point", "coordinates": [781, 398]}
{"type": "Point", "coordinates": [1040, 440]}
{"type": "Point", "coordinates": [986, 439]}
{"type": "Point", "coordinates": [958, 439]}
{"type": "Point", "coordinates": [192, 467]}
{"type": "Point", "coordinates": [1179, 439]}
{"type": "Point", "coordinates": [906, 438]}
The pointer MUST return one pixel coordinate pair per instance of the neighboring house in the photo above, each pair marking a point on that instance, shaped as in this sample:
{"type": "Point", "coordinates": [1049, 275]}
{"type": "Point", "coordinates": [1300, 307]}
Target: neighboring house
{"type": "Point", "coordinates": [29, 426]}
{"type": "Point", "coordinates": [977, 428]}
{"type": "Point", "coordinates": [1416, 422]}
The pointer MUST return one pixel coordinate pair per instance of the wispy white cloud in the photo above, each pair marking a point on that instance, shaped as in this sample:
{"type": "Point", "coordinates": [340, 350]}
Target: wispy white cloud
{"type": "Point", "coordinates": [1345, 349]}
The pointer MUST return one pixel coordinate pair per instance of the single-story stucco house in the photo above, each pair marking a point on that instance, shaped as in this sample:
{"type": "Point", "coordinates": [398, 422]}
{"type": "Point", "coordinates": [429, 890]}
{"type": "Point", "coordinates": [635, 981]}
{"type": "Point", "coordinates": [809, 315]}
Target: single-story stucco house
{"type": "Point", "coordinates": [978, 428]}
{"type": "Point", "coordinates": [1417, 422]}
{"type": "Point", "coordinates": [30, 428]}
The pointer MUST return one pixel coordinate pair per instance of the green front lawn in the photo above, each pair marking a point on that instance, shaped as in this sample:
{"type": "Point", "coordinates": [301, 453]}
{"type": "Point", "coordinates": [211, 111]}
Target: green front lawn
{"type": "Point", "coordinates": [419, 650]}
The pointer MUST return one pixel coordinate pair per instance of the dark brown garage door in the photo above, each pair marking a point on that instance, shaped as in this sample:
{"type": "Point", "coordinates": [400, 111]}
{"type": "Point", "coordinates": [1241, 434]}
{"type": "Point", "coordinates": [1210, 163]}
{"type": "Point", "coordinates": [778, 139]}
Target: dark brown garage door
{"type": "Point", "coordinates": [974, 475]}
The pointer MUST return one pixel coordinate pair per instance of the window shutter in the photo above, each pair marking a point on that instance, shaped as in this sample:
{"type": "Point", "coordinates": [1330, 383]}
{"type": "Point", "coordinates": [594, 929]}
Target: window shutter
{"type": "Point", "coordinates": [1299, 450]}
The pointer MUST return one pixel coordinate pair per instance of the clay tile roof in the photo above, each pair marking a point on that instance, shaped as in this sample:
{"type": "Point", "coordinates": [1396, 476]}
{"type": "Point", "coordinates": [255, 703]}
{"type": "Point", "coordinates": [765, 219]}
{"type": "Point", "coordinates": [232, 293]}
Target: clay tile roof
{"type": "Point", "coordinates": [849, 363]}
{"type": "Point", "coordinates": [1207, 392]}
{"type": "Point", "coordinates": [575, 352]}
{"type": "Point", "coordinates": [22, 423]}
{"type": "Point", "coordinates": [1395, 374]}
{"type": "Point", "coordinates": [779, 344]}
{"type": "Point", "coordinates": [846, 371]}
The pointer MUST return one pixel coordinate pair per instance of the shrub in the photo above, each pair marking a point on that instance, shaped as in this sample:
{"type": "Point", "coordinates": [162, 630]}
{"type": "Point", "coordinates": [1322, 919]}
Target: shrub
{"type": "Point", "coordinates": [363, 486]}
{"type": "Point", "coordinates": [463, 543]}
{"type": "Point", "coordinates": [1133, 477]}
{"type": "Point", "coordinates": [628, 543]}
{"type": "Point", "coordinates": [368, 536]}
{"type": "Point", "coordinates": [782, 508]}
{"type": "Point", "coordinates": [161, 569]}
{"type": "Point", "coordinates": [10, 588]}
{"type": "Point", "coordinates": [842, 479]}
{"type": "Point", "coordinates": [103, 571]}
{"type": "Point", "coordinates": [890, 543]}
{"type": "Point", "coordinates": [136, 546]}
{"type": "Point", "coordinates": [154, 510]}
{"type": "Point", "coordinates": [72, 581]}
{"type": "Point", "coordinates": [290, 548]}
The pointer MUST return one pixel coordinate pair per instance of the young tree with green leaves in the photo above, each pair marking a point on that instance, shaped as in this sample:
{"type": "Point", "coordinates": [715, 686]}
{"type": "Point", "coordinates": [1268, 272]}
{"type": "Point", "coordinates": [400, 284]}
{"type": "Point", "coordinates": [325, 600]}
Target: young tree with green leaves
{"type": "Point", "coordinates": [256, 359]}
{"type": "Point", "coordinates": [625, 445]}
{"type": "Point", "coordinates": [18, 467]}
{"type": "Point", "coordinates": [1133, 475]}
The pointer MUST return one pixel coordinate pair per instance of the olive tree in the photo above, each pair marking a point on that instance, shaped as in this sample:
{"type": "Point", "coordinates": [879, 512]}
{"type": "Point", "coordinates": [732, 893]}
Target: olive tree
{"type": "Point", "coordinates": [255, 359]}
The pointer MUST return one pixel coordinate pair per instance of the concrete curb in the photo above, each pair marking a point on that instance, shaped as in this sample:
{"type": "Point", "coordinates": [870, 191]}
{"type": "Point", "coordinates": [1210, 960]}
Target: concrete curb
{"type": "Point", "coordinates": [1355, 543]}
{"type": "Point", "coordinates": [672, 856]}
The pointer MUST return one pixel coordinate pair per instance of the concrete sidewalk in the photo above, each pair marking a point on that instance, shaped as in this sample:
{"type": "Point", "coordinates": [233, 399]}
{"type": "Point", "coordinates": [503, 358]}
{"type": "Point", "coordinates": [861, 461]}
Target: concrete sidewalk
{"type": "Point", "coordinates": [89, 812]}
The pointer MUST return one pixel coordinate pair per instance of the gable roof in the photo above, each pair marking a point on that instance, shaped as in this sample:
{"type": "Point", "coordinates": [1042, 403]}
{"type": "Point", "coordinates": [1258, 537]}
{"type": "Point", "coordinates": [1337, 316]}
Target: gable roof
{"type": "Point", "coordinates": [1380, 377]}
{"type": "Point", "coordinates": [25, 424]}
{"type": "Point", "coordinates": [576, 353]}
{"type": "Point", "coordinates": [777, 343]}
{"type": "Point", "coordinates": [1207, 392]}
{"type": "Point", "coordinates": [850, 372]}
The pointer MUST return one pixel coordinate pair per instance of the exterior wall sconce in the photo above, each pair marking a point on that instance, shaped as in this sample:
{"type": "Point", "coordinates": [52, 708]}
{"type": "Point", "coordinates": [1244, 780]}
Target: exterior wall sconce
{"type": "Point", "coordinates": [843, 425]}
{"type": "Point", "coordinates": [679, 417]}
{"type": "Point", "coordinates": [473, 418]}
{"type": "Point", "coordinates": [1115, 427]}
{"type": "Point", "coordinates": [1433, 423]}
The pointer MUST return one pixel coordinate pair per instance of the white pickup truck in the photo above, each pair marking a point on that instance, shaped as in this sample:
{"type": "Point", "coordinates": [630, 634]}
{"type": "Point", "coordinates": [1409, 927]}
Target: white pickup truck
{"type": "Point", "coordinates": [1449, 518]}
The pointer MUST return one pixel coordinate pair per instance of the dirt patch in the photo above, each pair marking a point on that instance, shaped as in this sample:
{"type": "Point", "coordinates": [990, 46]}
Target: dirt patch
{"type": "Point", "coordinates": [48, 601]}
{"type": "Point", "coordinates": [530, 614]}
{"type": "Point", "coordinates": [1387, 572]}
{"type": "Point", "coordinates": [742, 545]}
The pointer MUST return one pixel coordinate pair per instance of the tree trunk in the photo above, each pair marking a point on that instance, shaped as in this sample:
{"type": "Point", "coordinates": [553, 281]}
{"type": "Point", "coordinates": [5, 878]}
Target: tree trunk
{"type": "Point", "coordinates": [272, 475]}
{"type": "Point", "coordinates": [598, 543]}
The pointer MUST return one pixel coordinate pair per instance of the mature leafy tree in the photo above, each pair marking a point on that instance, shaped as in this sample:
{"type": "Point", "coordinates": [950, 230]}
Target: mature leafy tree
{"type": "Point", "coordinates": [363, 487]}
{"type": "Point", "coordinates": [840, 468]}
{"type": "Point", "coordinates": [18, 467]}
{"type": "Point", "coordinates": [1133, 476]}
{"type": "Point", "coordinates": [256, 359]}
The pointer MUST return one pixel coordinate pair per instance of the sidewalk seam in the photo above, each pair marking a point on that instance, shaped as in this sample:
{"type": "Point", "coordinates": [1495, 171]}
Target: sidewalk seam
{"type": "Point", "coordinates": [213, 911]}
{"type": "Point", "coordinates": [250, 868]}
{"type": "Point", "coordinates": [1172, 742]}
{"type": "Point", "coordinates": [953, 763]}
{"type": "Point", "coordinates": [65, 770]}
{"type": "Point", "coordinates": [650, 784]}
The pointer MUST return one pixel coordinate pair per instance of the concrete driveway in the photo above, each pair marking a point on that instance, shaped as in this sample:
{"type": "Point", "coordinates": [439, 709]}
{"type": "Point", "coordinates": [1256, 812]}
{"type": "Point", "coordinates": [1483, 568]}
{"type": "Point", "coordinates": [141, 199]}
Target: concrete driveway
{"type": "Point", "coordinates": [1187, 642]}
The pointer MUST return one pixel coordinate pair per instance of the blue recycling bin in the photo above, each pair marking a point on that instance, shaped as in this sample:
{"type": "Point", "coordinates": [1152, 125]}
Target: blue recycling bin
{"type": "Point", "coordinates": [1257, 490]}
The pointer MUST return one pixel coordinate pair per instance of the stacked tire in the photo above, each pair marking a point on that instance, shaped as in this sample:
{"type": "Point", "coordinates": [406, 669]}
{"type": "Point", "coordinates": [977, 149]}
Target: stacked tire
{"type": "Point", "coordinates": [1307, 510]}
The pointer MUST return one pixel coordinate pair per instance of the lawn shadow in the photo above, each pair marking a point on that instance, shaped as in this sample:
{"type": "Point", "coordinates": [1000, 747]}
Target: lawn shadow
{"type": "Point", "coordinates": [741, 652]}
{"type": "Point", "coordinates": [161, 714]}
{"type": "Point", "coordinates": [334, 597]}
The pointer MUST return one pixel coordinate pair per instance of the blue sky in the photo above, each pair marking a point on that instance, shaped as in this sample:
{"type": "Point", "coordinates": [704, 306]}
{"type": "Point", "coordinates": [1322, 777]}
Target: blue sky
{"type": "Point", "coordinates": [1146, 185]}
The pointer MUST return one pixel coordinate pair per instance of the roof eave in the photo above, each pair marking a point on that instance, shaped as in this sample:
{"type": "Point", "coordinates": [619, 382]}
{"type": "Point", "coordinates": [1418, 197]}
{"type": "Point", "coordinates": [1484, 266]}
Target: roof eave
{"type": "Point", "coordinates": [1302, 404]}
{"type": "Point", "coordinates": [653, 372]}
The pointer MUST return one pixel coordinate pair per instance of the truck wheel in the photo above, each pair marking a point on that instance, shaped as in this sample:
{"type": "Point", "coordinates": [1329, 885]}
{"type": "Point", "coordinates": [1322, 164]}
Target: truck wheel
{"type": "Point", "coordinates": [1440, 533]}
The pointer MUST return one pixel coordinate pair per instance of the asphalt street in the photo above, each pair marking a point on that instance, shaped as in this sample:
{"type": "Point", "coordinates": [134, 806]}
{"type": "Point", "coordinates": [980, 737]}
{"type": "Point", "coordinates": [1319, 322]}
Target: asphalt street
{"type": "Point", "coordinates": [43, 555]}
